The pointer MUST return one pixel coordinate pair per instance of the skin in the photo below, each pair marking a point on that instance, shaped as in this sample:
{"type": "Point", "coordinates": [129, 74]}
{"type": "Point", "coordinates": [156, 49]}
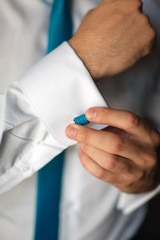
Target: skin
{"type": "Point", "coordinates": [124, 154]}
{"type": "Point", "coordinates": [110, 39]}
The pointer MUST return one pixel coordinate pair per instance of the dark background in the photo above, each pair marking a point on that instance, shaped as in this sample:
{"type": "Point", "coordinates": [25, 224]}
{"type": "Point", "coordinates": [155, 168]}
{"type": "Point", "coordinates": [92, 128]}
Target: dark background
{"type": "Point", "coordinates": [150, 229]}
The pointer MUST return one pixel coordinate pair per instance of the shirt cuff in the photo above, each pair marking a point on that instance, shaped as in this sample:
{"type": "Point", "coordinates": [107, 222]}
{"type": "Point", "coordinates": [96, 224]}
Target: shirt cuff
{"type": "Point", "coordinates": [60, 88]}
{"type": "Point", "coordinates": [130, 202]}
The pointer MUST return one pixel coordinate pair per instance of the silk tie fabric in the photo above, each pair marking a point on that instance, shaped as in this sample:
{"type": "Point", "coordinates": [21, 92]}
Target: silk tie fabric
{"type": "Point", "coordinates": [50, 176]}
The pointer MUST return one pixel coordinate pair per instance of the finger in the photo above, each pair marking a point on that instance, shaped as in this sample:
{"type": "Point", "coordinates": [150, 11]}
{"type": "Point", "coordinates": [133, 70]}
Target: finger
{"type": "Point", "coordinates": [108, 142]}
{"type": "Point", "coordinates": [110, 162]}
{"type": "Point", "coordinates": [122, 182]}
{"type": "Point", "coordinates": [125, 120]}
{"type": "Point", "coordinates": [92, 167]}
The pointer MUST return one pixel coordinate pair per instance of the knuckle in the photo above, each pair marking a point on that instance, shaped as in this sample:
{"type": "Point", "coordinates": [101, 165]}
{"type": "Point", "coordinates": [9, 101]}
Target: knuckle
{"type": "Point", "coordinates": [151, 160]}
{"type": "Point", "coordinates": [132, 121]}
{"type": "Point", "coordinates": [151, 36]}
{"type": "Point", "coordinates": [132, 6]}
{"type": "Point", "coordinates": [137, 4]}
{"type": "Point", "coordinates": [99, 173]}
{"type": "Point", "coordinates": [150, 31]}
{"type": "Point", "coordinates": [111, 164]}
{"type": "Point", "coordinates": [116, 144]}
{"type": "Point", "coordinates": [145, 19]}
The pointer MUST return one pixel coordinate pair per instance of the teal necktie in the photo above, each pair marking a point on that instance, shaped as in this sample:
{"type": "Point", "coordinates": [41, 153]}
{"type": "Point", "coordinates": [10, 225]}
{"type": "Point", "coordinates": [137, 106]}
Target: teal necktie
{"type": "Point", "coordinates": [50, 176]}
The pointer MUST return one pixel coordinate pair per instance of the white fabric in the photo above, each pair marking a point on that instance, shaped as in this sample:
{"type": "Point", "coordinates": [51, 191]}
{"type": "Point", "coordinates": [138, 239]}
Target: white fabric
{"type": "Point", "coordinates": [130, 202]}
{"type": "Point", "coordinates": [34, 120]}
{"type": "Point", "coordinates": [73, 84]}
{"type": "Point", "coordinates": [22, 129]}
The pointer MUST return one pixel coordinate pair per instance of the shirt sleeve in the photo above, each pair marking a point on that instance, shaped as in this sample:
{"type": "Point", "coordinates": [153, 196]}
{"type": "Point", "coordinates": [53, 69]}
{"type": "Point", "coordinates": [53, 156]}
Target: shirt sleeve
{"type": "Point", "coordinates": [35, 110]}
{"type": "Point", "coordinates": [128, 203]}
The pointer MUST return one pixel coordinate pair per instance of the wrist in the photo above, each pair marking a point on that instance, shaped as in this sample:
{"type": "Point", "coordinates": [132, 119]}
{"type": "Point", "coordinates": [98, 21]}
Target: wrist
{"type": "Point", "coordinates": [86, 57]}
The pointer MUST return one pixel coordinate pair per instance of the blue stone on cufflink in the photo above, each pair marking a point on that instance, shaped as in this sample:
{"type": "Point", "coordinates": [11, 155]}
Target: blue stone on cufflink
{"type": "Point", "coordinates": [81, 120]}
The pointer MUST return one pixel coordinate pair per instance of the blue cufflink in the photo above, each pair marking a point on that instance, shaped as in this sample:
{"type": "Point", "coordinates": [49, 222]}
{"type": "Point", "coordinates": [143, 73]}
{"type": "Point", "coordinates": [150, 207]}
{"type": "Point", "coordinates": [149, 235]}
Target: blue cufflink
{"type": "Point", "coordinates": [81, 120]}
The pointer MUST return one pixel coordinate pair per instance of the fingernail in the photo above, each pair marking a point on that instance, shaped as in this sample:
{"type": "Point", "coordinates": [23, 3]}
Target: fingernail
{"type": "Point", "coordinates": [71, 132]}
{"type": "Point", "coordinates": [91, 113]}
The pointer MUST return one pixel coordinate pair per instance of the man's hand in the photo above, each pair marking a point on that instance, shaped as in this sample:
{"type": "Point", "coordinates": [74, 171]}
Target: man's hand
{"type": "Point", "coordinates": [112, 37]}
{"type": "Point", "coordinates": [124, 154]}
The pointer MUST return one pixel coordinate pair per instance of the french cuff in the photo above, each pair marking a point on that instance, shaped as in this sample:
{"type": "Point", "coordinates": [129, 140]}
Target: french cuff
{"type": "Point", "coordinates": [130, 202]}
{"type": "Point", "coordinates": [60, 88]}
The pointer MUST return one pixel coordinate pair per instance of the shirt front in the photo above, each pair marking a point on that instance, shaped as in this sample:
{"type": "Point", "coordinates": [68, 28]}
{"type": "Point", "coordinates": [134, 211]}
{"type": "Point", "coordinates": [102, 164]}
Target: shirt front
{"type": "Point", "coordinates": [80, 216]}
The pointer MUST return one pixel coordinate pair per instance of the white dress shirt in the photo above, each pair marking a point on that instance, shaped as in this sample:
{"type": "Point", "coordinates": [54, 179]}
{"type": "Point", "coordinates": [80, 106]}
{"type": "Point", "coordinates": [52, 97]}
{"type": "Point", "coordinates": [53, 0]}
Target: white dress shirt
{"type": "Point", "coordinates": [35, 110]}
